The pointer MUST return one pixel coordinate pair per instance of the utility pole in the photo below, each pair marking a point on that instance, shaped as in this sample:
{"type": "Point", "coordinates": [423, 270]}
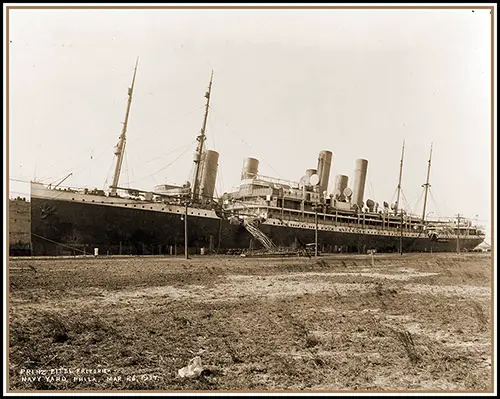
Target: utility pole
{"type": "Point", "coordinates": [458, 233]}
{"type": "Point", "coordinates": [401, 236]}
{"type": "Point", "coordinates": [186, 230]}
{"type": "Point", "coordinates": [316, 231]}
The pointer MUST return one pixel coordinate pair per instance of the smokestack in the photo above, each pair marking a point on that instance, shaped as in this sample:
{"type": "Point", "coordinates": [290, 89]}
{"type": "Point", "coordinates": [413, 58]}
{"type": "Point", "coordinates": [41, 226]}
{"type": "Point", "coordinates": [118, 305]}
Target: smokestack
{"type": "Point", "coordinates": [340, 185]}
{"type": "Point", "coordinates": [324, 166]}
{"type": "Point", "coordinates": [360, 169]}
{"type": "Point", "coordinates": [250, 168]}
{"type": "Point", "coordinates": [209, 174]}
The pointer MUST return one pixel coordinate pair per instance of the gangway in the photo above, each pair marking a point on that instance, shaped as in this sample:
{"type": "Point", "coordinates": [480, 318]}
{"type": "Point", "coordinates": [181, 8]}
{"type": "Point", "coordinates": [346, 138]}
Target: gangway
{"type": "Point", "coordinates": [259, 235]}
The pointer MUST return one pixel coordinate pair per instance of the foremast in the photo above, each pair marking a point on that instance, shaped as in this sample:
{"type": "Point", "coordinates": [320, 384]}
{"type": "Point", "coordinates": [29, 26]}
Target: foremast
{"type": "Point", "coordinates": [120, 147]}
{"type": "Point", "coordinates": [195, 192]}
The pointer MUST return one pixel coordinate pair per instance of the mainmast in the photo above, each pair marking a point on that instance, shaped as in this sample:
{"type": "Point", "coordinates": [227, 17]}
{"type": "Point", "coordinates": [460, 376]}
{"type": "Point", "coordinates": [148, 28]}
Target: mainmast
{"type": "Point", "coordinates": [120, 147]}
{"type": "Point", "coordinates": [427, 185]}
{"type": "Point", "coordinates": [400, 176]}
{"type": "Point", "coordinates": [201, 140]}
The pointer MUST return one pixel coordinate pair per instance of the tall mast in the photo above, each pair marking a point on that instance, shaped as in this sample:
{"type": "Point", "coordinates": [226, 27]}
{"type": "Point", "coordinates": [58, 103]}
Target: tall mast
{"type": "Point", "coordinates": [120, 147]}
{"type": "Point", "coordinates": [201, 140]}
{"type": "Point", "coordinates": [400, 176]}
{"type": "Point", "coordinates": [427, 185]}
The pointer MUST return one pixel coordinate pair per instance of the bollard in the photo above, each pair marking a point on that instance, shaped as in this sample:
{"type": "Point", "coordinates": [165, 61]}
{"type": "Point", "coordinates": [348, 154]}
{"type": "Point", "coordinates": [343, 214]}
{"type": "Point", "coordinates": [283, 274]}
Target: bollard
{"type": "Point", "coordinates": [96, 251]}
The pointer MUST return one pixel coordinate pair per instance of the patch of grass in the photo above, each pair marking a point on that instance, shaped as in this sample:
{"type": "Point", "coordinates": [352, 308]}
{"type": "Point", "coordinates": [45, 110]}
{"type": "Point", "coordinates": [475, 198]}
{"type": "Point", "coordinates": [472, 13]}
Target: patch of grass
{"type": "Point", "coordinates": [57, 328]}
{"type": "Point", "coordinates": [405, 338]}
{"type": "Point", "coordinates": [481, 318]}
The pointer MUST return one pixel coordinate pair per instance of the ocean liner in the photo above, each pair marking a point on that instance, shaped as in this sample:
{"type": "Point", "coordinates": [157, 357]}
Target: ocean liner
{"type": "Point", "coordinates": [265, 214]}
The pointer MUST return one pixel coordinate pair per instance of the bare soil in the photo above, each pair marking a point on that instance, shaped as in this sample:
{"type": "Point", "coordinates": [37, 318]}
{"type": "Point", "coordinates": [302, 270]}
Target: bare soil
{"type": "Point", "coordinates": [332, 323]}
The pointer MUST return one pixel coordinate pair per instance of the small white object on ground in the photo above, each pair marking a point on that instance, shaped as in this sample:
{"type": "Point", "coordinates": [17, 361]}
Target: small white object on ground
{"type": "Point", "coordinates": [193, 369]}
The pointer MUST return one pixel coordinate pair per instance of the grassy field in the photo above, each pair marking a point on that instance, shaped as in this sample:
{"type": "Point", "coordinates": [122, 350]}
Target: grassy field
{"type": "Point", "coordinates": [335, 323]}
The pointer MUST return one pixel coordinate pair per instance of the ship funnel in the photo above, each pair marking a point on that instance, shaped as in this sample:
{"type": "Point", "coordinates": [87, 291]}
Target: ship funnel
{"type": "Point", "coordinates": [250, 168]}
{"type": "Point", "coordinates": [360, 169]}
{"type": "Point", "coordinates": [209, 174]}
{"type": "Point", "coordinates": [340, 185]}
{"type": "Point", "coordinates": [324, 166]}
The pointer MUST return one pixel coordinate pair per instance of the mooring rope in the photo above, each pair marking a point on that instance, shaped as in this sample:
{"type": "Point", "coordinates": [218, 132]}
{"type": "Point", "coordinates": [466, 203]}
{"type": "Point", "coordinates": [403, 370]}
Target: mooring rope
{"type": "Point", "coordinates": [58, 243]}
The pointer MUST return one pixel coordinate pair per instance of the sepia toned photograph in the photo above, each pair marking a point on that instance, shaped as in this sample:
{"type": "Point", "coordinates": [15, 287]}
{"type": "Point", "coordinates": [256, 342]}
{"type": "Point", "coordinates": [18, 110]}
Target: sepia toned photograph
{"type": "Point", "coordinates": [265, 199]}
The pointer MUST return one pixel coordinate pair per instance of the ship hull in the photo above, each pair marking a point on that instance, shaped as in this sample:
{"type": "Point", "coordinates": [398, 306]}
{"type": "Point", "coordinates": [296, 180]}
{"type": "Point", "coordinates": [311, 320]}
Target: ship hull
{"type": "Point", "coordinates": [60, 226]}
{"type": "Point", "coordinates": [353, 242]}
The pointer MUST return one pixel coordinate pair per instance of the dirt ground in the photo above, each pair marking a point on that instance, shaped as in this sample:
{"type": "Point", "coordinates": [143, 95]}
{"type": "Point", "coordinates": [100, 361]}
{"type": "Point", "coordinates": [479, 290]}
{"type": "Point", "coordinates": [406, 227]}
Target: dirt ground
{"type": "Point", "coordinates": [334, 323]}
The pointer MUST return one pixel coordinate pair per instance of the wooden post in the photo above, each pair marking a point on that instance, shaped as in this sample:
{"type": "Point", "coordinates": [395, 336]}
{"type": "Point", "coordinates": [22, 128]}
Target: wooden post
{"type": "Point", "coordinates": [186, 231]}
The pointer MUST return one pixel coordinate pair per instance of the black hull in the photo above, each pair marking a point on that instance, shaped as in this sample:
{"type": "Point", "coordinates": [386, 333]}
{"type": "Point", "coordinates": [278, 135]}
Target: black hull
{"type": "Point", "coordinates": [117, 230]}
{"type": "Point", "coordinates": [65, 227]}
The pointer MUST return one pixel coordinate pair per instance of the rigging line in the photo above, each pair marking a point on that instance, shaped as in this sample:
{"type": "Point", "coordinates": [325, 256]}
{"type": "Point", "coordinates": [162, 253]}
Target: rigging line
{"type": "Point", "coordinates": [215, 147]}
{"type": "Point", "coordinates": [165, 167]}
{"type": "Point", "coordinates": [221, 179]}
{"type": "Point", "coordinates": [58, 243]}
{"type": "Point", "coordinates": [418, 200]}
{"type": "Point", "coordinates": [434, 202]}
{"type": "Point", "coordinates": [394, 194]}
{"type": "Point", "coordinates": [212, 131]}
{"type": "Point", "coordinates": [170, 152]}
{"type": "Point", "coordinates": [94, 155]}
{"type": "Point", "coordinates": [407, 204]}
{"type": "Point", "coordinates": [127, 167]}
{"type": "Point", "coordinates": [106, 181]}
{"type": "Point", "coordinates": [244, 142]}
{"type": "Point", "coordinates": [417, 197]}
{"type": "Point", "coordinates": [171, 127]}
{"type": "Point", "coordinates": [372, 191]}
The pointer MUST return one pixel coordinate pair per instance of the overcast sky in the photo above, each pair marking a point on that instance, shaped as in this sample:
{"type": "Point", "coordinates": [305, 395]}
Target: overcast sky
{"type": "Point", "coordinates": [287, 84]}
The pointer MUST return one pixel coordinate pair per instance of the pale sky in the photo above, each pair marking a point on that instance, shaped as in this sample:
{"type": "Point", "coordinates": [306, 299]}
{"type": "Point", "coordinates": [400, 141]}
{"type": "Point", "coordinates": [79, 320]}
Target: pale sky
{"type": "Point", "coordinates": [287, 84]}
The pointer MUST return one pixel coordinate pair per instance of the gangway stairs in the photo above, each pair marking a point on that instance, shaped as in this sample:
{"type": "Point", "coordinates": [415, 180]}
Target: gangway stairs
{"type": "Point", "coordinates": [259, 235]}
